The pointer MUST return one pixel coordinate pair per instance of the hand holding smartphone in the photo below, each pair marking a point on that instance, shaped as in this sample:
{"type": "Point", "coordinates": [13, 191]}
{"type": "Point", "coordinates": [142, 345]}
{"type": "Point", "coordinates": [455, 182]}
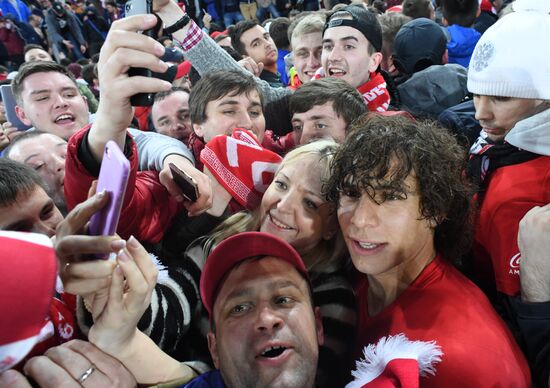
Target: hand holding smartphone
{"type": "Point", "coordinates": [9, 107]}
{"type": "Point", "coordinates": [185, 182]}
{"type": "Point", "coordinates": [113, 178]}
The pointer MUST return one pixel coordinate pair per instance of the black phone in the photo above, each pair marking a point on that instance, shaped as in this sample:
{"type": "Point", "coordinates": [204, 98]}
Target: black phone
{"type": "Point", "coordinates": [140, 7]}
{"type": "Point", "coordinates": [186, 183]}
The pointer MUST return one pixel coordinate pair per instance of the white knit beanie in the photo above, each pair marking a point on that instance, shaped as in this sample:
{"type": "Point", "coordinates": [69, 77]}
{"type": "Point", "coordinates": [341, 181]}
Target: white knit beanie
{"type": "Point", "coordinates": [512, 58]}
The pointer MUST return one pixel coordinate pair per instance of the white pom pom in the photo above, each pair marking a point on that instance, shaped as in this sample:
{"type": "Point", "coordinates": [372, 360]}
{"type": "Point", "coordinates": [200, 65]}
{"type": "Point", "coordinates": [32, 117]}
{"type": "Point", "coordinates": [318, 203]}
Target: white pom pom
{"type": "Point", "coordinates": [376, 357]}
{"type": "Point", "coordinates": [532, 5]}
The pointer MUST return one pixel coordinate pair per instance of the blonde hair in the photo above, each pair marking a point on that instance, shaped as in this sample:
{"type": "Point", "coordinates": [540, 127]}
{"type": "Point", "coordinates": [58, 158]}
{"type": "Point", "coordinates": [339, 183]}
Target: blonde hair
{"type": "Point", "coordinates": [327, 254]}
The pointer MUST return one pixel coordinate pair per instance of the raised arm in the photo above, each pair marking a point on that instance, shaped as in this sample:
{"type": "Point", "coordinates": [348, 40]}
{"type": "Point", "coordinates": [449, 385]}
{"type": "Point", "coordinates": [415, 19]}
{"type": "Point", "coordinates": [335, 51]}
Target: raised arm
{"type": "Point", "coordinates": [205, 55]}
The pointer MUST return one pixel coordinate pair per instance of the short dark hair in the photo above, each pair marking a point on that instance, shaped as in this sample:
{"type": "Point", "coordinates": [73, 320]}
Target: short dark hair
{"type": "Point", "coordinates": [30, 68]}
{"type": "Point", "coordinates": [236, 31]}
{"type": "Point", "coordinates": [278, 29]}
{"type": "Point", "coordinates": [347, 102]}
{"type": "Point", "coordinates": [32, 46]}
{"type": "Point", "coordinates": [417, 8]}
{"type": "Point", "coordinates": [460, 12]}
{"type": "Point", "coordinates": [379, 153]}
{"type": "Point", "coordinates": [162, 95]}
{"type": "Point", "coordinates": [216, 85]}
{"type": "Point", "coordinates": [15, 179]}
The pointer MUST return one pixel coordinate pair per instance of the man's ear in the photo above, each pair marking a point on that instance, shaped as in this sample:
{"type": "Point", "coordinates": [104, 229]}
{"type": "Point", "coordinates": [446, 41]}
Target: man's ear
{"type": "Point", "coordinates": [375, 60]}
{"type": "Point", "coordinates": [21, 115]}
{"type": "Point", "coordinates": [213, 347]}
{"type": "Point", "coordinates": [319, 326]}
{"type": "Point", "coordinates": [198, 130]}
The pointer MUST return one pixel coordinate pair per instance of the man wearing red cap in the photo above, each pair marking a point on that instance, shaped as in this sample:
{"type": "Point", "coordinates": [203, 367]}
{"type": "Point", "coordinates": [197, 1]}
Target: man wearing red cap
{"type": "Point", "coordinates": [265, 330]}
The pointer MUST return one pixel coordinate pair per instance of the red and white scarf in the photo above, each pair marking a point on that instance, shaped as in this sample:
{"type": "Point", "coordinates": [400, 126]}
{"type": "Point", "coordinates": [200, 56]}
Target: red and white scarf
{"type": "Point", "coordinates": [241, 165]}
{"type": "Point", "coordinates": [374, 91]}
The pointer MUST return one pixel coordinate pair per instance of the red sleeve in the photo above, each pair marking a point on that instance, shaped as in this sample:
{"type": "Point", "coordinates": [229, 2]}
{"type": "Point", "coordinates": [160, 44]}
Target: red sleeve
{"type": "Point", "coordinates": [148, 208]}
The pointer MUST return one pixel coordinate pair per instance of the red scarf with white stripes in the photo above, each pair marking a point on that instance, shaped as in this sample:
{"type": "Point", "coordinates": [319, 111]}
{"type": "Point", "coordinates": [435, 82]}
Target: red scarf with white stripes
{"type": "Point", "coordinates": [375, 93]}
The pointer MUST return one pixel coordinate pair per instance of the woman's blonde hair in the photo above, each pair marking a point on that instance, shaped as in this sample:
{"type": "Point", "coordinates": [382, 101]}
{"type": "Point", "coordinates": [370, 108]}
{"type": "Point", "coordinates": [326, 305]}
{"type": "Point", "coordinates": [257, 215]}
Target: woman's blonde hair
{"type": "Point", "coordinates": [328, 254]}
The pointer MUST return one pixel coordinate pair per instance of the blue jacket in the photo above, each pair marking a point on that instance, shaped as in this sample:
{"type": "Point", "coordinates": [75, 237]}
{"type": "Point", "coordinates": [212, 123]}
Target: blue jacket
{"type": "Point", "coordinates": [211, 379]}
{"type": "Point", "coordinates": [462, 44]}
{"type": "Point", "coordinates": [8, 8]}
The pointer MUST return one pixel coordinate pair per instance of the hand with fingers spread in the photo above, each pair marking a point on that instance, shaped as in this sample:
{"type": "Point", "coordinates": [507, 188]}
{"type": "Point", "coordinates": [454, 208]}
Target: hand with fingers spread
{"type": "Point", "coordinates": [80, 273]}
{"type": "Point", "coordinates": [204, 201]}
{"type": "Point", "coordinates": [74, 364]}
{"type": "Point", "coordinates": [124, 48]}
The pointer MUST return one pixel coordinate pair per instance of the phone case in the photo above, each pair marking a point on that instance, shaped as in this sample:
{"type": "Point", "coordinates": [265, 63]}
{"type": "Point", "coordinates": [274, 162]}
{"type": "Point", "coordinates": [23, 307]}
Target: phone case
{"type": "Point", "coordinates": [132, 8]}
{"type": "Point", "coordinates": [9, 106]}
{"type": "Point", "coordinates": [185, 183]}
{"type": "Point", "coordinates": [113, 178]}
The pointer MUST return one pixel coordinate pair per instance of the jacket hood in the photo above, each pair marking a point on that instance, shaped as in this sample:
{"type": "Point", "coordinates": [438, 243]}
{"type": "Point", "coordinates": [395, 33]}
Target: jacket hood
{"type": "Point", "coordinates": [532, 134]}
{"type": "Point", "coordinates": [429, 92]}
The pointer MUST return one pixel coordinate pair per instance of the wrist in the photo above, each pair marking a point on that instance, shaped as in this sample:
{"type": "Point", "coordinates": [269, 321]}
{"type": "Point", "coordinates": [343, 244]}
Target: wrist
{"type": "Point", "coordinates": [170, 13]}
{"type": "Point", "coordinates": [176, 159]}
{"type": "Point", "coordinates": [120, 347]}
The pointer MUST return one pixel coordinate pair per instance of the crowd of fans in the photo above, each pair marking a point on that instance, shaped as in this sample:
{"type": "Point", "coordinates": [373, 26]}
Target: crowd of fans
{"type": "Point", "coordinates": [372, 182]}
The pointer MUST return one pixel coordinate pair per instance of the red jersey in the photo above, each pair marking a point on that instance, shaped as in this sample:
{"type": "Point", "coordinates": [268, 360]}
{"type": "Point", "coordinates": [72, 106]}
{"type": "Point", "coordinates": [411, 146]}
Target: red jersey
{"type": "Point", "coordinates": [442, 305]}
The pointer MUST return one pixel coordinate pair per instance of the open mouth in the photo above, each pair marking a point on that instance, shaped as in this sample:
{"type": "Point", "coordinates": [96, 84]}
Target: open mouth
{"type": "Point", "coordinates": [273, 352]}
{"type": "Point", "coordinates": [336, 72]}
{"type": "Point", "coordinates": [64, 119]}
{"type": "Point", "coordinates": [278, 223]}
{"type": "Point", "coordinates": [366, 245]}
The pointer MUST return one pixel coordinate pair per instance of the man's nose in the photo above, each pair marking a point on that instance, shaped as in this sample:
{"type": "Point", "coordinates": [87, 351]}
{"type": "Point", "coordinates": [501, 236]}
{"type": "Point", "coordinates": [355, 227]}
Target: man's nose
{"type": "Point", "coordinates": [268, 320]}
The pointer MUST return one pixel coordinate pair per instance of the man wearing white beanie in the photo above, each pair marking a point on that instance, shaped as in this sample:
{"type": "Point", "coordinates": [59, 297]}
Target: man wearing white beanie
{"type": "Point", "coordinates": [509, 75]}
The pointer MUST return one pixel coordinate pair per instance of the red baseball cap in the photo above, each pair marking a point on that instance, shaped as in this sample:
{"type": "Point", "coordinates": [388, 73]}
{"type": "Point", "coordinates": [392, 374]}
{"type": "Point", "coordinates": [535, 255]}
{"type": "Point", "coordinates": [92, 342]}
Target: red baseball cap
{"type": "Point", "coordinates": [240, 247]}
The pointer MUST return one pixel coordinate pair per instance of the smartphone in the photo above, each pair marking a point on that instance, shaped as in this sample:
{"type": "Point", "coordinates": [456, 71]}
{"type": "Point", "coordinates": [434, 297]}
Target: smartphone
{"type": "Point", "coordinates": [113, 178]}
{"type": "Point", "coordinates": [186, 183]}
{"type": "Point", "coordinates": [140, 7]}
{"type": "Point", "coordinates": [9, 106]}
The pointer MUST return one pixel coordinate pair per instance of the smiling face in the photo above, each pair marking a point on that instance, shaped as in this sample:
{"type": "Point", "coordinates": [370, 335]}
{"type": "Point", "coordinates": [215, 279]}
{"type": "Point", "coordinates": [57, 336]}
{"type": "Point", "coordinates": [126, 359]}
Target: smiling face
{"type": "Point", "coordinates": [388, 237]}
{"type": "Point", "coordinates": [292, 207]}
{"type": "Point", "coordinates": [346, 55]}
{"type": "Point", "coordinates": [259, 46]}
{"type": "Point", "coordinates": [232, 111]}
{"type": "Point", "coordinates": [171, 116]}
{"type": "Point", "coordinates": [320, 122]}
{"type": "Point", "coordinates": [52, 103]}
{"type": "Point", "coordinates": [498, 115]}
{"type": "Point", "coordinates": [267, 334]}
{"type": "Point", "coordinates": [307, 51]}
{"type": "Point", "coordinates": [31, 212]}
{"type": "Point", "coordinates": [46, 155]}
